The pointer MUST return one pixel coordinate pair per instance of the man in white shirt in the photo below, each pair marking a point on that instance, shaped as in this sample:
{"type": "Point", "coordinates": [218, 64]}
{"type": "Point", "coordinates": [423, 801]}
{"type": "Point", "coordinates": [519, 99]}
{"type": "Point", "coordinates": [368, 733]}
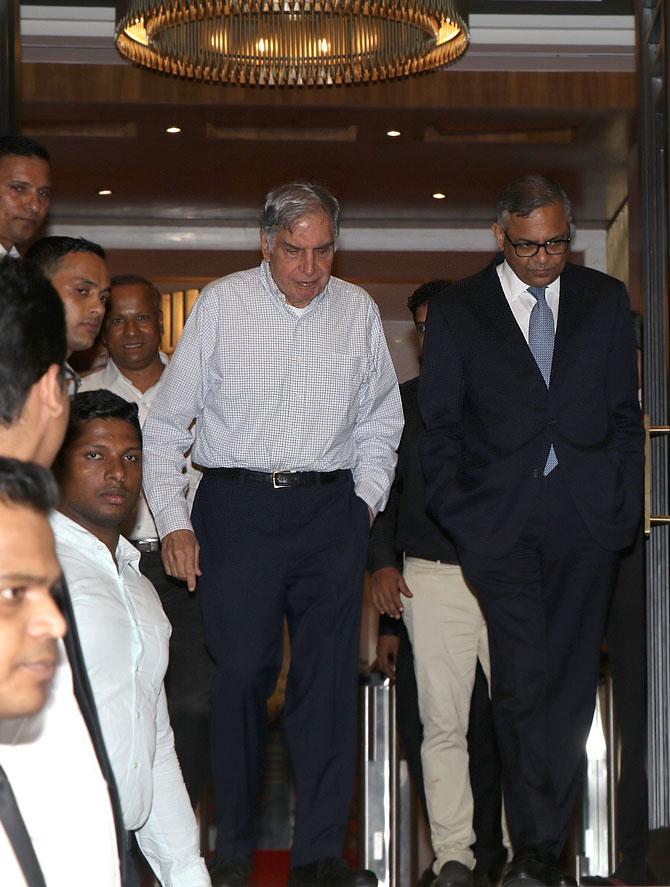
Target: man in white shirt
{"type": "Point", "coordinates": [287, 373]}
{"type": "Point", "coordinates": [25, 191]}
{"type": "Point", "coordinates": [30, 626]}
{"type": "Point", "coordinates": [77, 269]}
{"type": "Point", "coordinates": [132, 332]}
{"type": "Point", "coordinates": [124, 632]}
{"type": "Point", "coordinates": [55, 760]}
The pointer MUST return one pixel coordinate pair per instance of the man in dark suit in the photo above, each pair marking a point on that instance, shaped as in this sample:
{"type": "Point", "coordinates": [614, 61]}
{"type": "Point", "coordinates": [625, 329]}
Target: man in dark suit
{"type": "Point", "coordinates": [533, 456]}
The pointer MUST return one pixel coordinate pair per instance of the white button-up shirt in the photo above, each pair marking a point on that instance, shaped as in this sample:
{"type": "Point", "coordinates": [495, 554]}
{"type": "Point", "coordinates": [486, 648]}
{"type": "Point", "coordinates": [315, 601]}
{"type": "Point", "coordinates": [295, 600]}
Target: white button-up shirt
{"type": "Point", "coordinates": [111, 378]}
{"type": "Point", "coordinates": [275, 390]}
{"type": "Point", "coordinates": [124, 637]}
{"type": "Point", "coordinates": [53, 770]}
{"type": "Point", "coordinates": [521, 302]}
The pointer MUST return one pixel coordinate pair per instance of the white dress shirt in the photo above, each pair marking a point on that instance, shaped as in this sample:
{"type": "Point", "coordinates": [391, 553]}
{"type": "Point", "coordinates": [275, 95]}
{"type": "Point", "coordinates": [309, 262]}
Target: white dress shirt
{"type": "Point", "coordinates": [54, 773]}
{"type": "Point", "coordinates": [521, 302]}
{"type": "Point", "coordinates": [273, 390]}
{"type": "Point", "coordinates": [111, 378]}
{"type": "Point", "coordinates": [124, 637]}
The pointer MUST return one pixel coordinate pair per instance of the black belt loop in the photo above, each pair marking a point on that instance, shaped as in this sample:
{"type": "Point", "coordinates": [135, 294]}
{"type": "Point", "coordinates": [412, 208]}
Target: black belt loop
{"type": "Point", "coordinates": [281, 480]}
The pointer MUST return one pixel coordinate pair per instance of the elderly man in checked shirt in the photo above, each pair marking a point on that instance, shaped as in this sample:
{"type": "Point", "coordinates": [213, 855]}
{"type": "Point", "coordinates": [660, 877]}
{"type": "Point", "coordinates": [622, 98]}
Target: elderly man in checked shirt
{"type": "Point", "coordinates": [298, 416]}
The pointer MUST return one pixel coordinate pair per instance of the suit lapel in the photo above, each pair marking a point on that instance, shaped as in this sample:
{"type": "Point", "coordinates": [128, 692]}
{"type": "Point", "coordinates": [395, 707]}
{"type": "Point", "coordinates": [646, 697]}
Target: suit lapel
{"type": "Point", "coordinates": [575, 304]}
{"type": "Point", "coordinates": [495, 307]}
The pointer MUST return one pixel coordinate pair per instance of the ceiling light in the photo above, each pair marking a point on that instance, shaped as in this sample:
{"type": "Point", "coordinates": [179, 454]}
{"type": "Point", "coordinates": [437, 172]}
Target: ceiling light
{"type": "Point", "coordinates": [393, 133]}
{"type": "Point", "coordinates": [438, 195]}
{"type": "Point", "coordinates": [105, 192]}
{"type": "Point", "coordinates": [293, 42]}
{"type": "Point", "coordinates": [173, 129]}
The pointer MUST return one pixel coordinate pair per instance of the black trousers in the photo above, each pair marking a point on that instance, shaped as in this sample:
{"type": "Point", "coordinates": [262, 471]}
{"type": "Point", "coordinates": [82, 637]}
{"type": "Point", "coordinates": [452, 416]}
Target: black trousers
{"type": "Point", "coordinates": [265, 553]}
{"type": "Point", "coordinates": [545, 603]}
{"type": "Point", "coordinates": [188, 677]}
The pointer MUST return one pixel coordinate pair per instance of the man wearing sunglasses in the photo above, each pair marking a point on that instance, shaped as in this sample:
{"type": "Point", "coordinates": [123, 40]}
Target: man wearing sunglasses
{"type": "Point", "coordinates": [533, 455]}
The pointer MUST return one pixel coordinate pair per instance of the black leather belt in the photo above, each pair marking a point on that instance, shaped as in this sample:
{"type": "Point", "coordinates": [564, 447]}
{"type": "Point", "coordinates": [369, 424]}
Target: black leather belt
{"type": "Point", "coordinates": [280, 480]}
{"type": "Point", "coordinates": [146, 544]}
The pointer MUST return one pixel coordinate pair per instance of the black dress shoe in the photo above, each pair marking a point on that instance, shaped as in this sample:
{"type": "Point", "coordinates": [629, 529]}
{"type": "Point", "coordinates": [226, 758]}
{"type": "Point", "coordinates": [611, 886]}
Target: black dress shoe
{"type": "Point", "coordinates": [427, 877]}
{"type": "Point", "coordinates": [454, 874]}
{"type": "Point", "coordinates": [330, 873]}
{"type": "Point", "coordinates": [231, 873]}
{"type": "Point", "coordinates": [527, 869]}
{"type": "Point", "coordinates": [555, 876]}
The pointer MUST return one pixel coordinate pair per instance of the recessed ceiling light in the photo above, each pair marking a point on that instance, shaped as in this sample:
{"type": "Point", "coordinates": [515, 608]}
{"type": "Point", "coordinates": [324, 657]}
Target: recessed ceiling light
{"type": "Point", "coordinates": [105, 192]}
{"type": "Point", "coordinates": [173, 129]}
{"type": "Point", "coordinates": [393, 133]}
{"type": "Point", "coordinates": [438, 195]}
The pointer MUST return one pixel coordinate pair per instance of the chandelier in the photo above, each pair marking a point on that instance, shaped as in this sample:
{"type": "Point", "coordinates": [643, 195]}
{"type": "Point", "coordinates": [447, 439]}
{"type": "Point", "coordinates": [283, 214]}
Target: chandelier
{"type": "Point", "coordinates": [293, 42]}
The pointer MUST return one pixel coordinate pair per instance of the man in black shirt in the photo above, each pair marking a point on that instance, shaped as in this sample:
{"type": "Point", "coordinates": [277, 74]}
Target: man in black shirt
{"type": "Point", "coordinates": [448, 635]}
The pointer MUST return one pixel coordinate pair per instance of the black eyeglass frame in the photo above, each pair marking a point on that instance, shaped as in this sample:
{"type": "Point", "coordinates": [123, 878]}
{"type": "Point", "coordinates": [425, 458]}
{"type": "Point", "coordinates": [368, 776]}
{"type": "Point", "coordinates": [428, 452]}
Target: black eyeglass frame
{"type": "Point", "coordinates": [527, 244]}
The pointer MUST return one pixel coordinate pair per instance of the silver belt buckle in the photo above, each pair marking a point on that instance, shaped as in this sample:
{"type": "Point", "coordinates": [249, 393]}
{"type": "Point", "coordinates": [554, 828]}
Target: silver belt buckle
{"type": "Point", "coordinates": [275, 485]}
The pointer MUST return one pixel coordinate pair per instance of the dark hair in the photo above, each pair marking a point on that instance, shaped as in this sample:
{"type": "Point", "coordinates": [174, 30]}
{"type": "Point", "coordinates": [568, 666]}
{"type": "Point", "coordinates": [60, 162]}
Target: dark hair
{"type": "Point", "coordinates": [287, 203]}
{"type": "Point", "coordinates": [48, 252]}
{"type": "Point", "coordinates": [32, 333]}
{"type": "Point", "coordinates": [99, 404]}
{"type": "Point", "coordinates": [638, 329]}
{"type": "Point", "coordinates": [21, 146]}
{"type": "Point", "coordinates": [137, 280]}
{"type": "Point", "coordinates": [28, 484]}
{"type": "Point", "coordinates": [425, 293]}
{"type": "Point", "coordinates": [528, 193]}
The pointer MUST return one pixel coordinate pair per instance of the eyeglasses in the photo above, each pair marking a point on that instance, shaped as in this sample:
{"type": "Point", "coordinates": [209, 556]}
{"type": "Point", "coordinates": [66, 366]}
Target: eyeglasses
{"type": "Point", "coordinates": [71, 381]}
{"type": "Point", "coordinates": [525, 249]}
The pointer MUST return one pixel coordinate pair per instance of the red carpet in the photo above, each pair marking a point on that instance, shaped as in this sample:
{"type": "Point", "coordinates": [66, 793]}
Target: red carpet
{"type": "Point", "coordinates": [271, 868]}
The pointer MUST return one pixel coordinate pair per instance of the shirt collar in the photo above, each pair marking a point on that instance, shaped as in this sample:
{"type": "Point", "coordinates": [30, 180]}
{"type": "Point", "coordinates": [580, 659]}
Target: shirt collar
{"type": "Point", "coordinates": [269, 283]}
{"type": "Point", "coordinates": [13, 252]}
{"type": "Point", "coordinates": [516, 287]}
{"type": "Point", "coordinates": [114, 374]}
{"type": "Point", "coordinates": [126, 553]}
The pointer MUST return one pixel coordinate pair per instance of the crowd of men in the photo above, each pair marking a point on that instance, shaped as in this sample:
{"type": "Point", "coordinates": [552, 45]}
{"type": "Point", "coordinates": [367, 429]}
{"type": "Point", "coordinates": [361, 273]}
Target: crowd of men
{"type": "Point", "coordinates": [202, 502]}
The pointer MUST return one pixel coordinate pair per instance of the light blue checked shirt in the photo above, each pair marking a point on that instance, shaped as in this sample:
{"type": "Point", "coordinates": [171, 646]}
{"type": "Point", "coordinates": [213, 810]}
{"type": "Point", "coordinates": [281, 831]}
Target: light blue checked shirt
{"type": "Point", "coordinates": [274, 390]}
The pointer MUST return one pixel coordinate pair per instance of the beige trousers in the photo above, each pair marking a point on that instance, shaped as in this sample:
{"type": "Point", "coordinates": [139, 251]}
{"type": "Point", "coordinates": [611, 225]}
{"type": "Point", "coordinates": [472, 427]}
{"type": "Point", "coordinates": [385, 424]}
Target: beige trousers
{"type": "Point", "coordinates": [448, 635]}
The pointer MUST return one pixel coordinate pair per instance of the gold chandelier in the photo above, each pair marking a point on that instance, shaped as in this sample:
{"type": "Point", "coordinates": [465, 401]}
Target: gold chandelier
{"type": "Point", "coordinates": [293, 42]}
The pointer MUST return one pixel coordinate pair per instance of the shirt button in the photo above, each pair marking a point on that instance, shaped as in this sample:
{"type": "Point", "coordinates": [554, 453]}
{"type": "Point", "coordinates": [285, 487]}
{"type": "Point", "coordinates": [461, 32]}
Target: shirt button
{"type": "Point", "coordinates": [135, 766]}
{"type": "Point", "coordinates": [535, 472]}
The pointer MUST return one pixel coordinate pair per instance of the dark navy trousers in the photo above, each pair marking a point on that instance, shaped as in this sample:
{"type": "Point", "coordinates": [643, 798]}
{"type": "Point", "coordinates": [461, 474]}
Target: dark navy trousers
{"type": "Point", "coordinates": [298, 552]}
{"type": "Point", "coordinates": [545, 603]}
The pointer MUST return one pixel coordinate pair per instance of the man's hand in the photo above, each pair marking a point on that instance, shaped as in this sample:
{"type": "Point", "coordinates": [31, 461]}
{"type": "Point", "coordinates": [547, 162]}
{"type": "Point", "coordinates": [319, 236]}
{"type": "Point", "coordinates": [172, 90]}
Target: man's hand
{"type": "Point", "coordinates": [387, 653]}
{"type": "Point", "coordinates": [372, 515]}
{"type": "Point", "coordinates": [386, 586]}
{"type": "Point", "coordinates": [181, 556]}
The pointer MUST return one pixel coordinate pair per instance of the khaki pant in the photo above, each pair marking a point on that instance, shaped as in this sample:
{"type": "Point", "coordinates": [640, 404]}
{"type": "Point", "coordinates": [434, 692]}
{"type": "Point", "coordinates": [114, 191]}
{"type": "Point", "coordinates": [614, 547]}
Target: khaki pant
{"type": "Point", "coordinates": [448, 635]}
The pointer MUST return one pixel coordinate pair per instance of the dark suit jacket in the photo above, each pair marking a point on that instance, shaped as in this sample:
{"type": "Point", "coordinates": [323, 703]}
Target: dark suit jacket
{"type": "Point", "coordinates": [490, 418]}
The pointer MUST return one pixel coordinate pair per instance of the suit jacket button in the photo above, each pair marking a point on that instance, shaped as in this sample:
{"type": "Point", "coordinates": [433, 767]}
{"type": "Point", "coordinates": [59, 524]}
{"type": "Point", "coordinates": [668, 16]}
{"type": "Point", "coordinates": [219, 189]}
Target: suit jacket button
{"type": "Point", "coordinates": [535, 472]}
{"type": "Point", "coordinates": [551, 422]}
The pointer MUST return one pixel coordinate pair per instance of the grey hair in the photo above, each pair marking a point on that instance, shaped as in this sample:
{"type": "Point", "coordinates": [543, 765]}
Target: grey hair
{"type": "Point", "coordinates": [528, 193]}
{"type": "Point", "coordinates": [287, 203]}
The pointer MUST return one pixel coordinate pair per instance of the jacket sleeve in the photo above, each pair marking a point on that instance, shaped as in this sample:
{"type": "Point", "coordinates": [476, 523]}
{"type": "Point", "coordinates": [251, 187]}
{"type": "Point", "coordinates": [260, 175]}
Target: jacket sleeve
{"type": "Point", "coordinates": [622, 392]}
{"type": "Point", "coordinates": [441, 407]}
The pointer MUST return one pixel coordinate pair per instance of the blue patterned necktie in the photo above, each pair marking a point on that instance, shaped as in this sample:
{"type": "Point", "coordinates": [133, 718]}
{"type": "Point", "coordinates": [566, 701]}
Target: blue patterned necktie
{"type": "Point", "coordinates": [541, 332]}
